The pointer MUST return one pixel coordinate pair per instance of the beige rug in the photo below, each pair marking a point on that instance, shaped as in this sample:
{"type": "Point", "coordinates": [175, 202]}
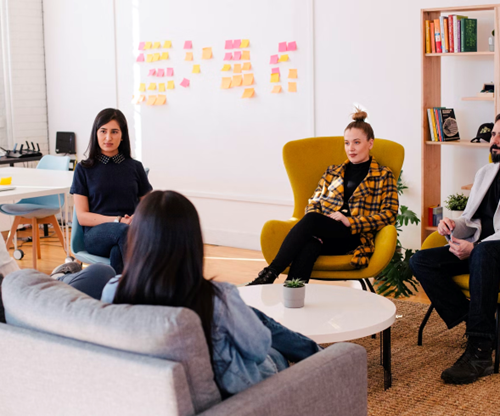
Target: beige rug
{"type": "Point", "coordinates": [417, 388]}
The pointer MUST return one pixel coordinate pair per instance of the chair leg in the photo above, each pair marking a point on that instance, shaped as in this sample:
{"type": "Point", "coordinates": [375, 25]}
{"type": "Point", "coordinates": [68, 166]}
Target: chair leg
{"type": "Point", "coordinates": [53, 220]}
{"type": "Point", "coordinates": [497, 341]}
{"type": "Point", "coordinates": [363, 284]}
{"type": "Point", "coordinates": [12, 232]}
{"type": "Point", "coordinates": [34, 237]}
{"type": "Point", "coordinates": [424, 322]}
{"type": "Point", "coordinates": [367, 280]}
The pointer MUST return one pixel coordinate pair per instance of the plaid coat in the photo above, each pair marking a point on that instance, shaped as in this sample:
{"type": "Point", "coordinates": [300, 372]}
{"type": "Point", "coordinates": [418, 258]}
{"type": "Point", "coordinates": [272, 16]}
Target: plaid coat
{"type": "Point", "coordinates": [373, 205]}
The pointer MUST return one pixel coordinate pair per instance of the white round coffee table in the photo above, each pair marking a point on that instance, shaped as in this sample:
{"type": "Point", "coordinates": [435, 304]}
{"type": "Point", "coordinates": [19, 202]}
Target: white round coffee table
{"type": "Point", "coordinates": [330, 314]}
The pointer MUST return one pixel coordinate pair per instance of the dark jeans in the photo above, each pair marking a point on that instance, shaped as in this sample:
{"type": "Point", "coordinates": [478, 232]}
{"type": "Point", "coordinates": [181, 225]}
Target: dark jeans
{"type": "Point", "coordinates": [434, 269]}
{"type": "Point", "coordinates": [108, 240]}
{"type": "Point", "coordinates": [302, 245]}
{"type": "Point", "coordinates": [90, 280]}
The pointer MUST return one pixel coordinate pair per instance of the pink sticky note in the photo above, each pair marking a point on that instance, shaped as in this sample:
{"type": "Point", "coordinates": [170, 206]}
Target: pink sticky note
{"type": "Point", "coordinates": [152, 72]}
{"type": "Point", "coordinates": [237, 56]}
{"type": "Point", "coordinates": [274, 59]}
{"type": "Point", "coordinates": [236, 43]}
{"type": "Point", "coordinates": [228, 56]}
{"type": "Point", "coordinates": [229, 44]}
{"type": "Point", "coordinates": [292, 46]}
{"type": "Point", "coordinates": [141, 46]}
{"type": "Point", "coordinates": [282, 47]}
{"type": "Point", "coordinates": [170, 72]}
{"type": "Point", "coordinates": [275, 71]}
{"type": "Point", "coordinates": [140, 58]}
{"type": "Point", "coordinates": [185, 83]}
{"type": "Point", "coordinates": [160, 73]}
{"type": "Point", "coordinates": [188, 44]}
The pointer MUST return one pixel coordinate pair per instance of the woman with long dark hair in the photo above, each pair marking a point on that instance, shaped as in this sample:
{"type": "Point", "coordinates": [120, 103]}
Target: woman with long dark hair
{"type": "Point", "coordinates": [107, 187]}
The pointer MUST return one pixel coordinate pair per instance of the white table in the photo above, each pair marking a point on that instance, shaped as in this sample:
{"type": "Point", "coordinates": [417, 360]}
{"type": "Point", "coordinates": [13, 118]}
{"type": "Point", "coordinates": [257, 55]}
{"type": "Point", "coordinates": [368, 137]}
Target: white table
{"type": "Point", "coordinates": [330, 314]}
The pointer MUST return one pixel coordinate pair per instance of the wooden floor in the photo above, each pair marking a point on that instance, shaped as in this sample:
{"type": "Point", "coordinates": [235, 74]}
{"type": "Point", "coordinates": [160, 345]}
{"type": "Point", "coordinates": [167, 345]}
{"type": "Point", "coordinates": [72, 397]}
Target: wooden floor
{"type": "Point", "coordinates": [234, 265]}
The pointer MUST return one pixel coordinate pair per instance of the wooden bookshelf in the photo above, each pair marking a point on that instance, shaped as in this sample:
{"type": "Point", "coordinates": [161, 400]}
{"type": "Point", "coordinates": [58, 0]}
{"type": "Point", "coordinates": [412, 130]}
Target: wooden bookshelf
{"type": "Point", "coordinates": [431, 97]}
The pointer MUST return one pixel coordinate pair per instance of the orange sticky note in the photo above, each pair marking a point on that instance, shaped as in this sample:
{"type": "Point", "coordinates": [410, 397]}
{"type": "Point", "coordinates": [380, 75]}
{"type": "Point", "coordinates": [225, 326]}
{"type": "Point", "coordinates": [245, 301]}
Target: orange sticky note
{"type": "Point", "coordinates": [147, 45]}
{"type": "Point", "coordinates": [167, 44]}
{"type": "Point", "coordinates": [151, 100]}
{"type": "Point", "coordinates": [276, 89]}
{"type": "Point", "coordinates": [237, 80]}
{"type": "Point", "coordinates": [161, 87]}
{"type": "Point", "coordinates": [244, 43]}
{"type": "Point", "coordinates": [149, 58]}
{"type": "Point", "coordinates": [161, 100]}
{"type": "Point", "coordinates": [245, 56]}
{"type": "Point", "coordinates": [275, 77]}
{"type": "Point", "coordinates": [196, 69]}
{"type": "Point", "coordinates": [226, 67]}
{"type": "Point", "coordinates": [292, 87]}
{"type": "Point", "coordinates": [247, 66]}
{"type": "Point", "coordinates": [189, 56]}
{"type": "Point", "coordinates": [139, 99]}
{"type": "Point", "coordinates": [157, 45]}
{"type": "Point", "coordinates": [152, 86]}
{"type": "Point", "coordinates": [156, 57]}
{"type": "Point", "coordinates": [248, 79]}
{"type": "Point", "coordinates": [248, 93]}
{"type": "Point", "coordinates": [292, 73]}
{"type": "Point", "coordinates": [164, 56]}
{"type": "Point", "coordinates": [142, 87]}
{"type": "Point", "coordinates": [283, 58]}
{"type": "Point", "coordinates": [207, 53]}
{"type": "Point", "coordinates": [237, 69]}
{"type": "Point", "coordinates": [226, 83]}
{"type": "Point", "coordinates": [6, 181]}
{"type": "Point", "coordinates": [170, 85]}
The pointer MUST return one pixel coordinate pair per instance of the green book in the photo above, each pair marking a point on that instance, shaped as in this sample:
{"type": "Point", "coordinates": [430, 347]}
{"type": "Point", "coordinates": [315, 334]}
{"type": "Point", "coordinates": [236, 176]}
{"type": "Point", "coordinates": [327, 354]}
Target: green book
{"type": "Point", "coordinates": [468, 29]}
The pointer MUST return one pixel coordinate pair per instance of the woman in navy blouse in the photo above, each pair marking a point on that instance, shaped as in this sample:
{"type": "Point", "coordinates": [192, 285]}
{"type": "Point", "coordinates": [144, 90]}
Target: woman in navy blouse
{"type": "Point", "coordinates": [107, 187]}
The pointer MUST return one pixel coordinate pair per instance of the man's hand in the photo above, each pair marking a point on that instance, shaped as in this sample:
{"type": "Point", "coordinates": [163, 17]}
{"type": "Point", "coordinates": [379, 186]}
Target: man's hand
{"type": "Point", "coordinates": [446, 226]}
{"type": "Point", "coordinates": [460, 248]}
{"type": "Point", "coordinates": [338, 216]}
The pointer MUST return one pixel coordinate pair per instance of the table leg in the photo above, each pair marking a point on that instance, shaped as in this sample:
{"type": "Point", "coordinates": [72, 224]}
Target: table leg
{"type": "Point", "coordinates": [386, 357]}
{"type": "Point", "coordinates": [66, 214]}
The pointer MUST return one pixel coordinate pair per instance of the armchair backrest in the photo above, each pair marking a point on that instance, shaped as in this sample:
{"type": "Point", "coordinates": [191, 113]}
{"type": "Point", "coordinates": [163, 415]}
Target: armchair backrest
{"type": "Point", "coordinates": [306, 160]}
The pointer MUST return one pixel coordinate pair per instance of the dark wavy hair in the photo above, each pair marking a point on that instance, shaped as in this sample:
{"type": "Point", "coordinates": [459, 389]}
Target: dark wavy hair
{"type": "Point", "coordinates": [164, 258]}
{"type": "Point", "coordinates": [104, 117]}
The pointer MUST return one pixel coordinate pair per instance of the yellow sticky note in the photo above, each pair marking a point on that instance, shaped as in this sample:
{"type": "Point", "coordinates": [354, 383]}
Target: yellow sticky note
{"type": "Point", "coordinates": [6, 181]}
{"type": "Point", "coordinates": [161, 100]}
{"type": "Point", "coordinates": [149, 58]}
{"type": "Point", "coordinates": [147, 45]}
{"type": "Point", "coordinates": [226, 83]}
{"type": "Point", "coordinates": [189, 56]}
{"type": "Point", "coordinates": [226, 67]}
{"type": "Point", "coordinates": [244, 43]}
{"type": "Point", "coordinates": [157, 45]}
{"type": "Point", "coordinates": [237, 80]}
{"type": "Point", "coordinates": [283, 58]}
{"type": "Point", "coordinates": [207, 53]}
{"type": "Point", "coordinates": [164, 56]}
{"type": "Point", "coordinates": [156, 57]}
{"type": "Point", "coordinates": [167, 44]}
{"type": "Point", "coordinates": [275, 77]}
{"type": "Point", "coordinates": [276, 89]}
{"type": "Point", "coordinates": [196, 69]}
{"type": "Point", "coordinates": [248, 79]}
{"type": "Point", "coordinates": [152, 86]}
{"type": "Point", "coordinates": [245, 56]}
{"type": "Point", "coordinates": [237, 69]}
{"type": "Point", "coordinates": [151, 100]}
{"type": "Point", "coordinates": [248, 93]}
{"type": "Point", "coordinates": [170, 85]}
{"type": "Point", "coordinates": [142, 87]}
{"type": "Point", "coordinates": [292, 87]}
{"type": "Point", "coordinates": [292, 73]}
{"type": "Point", "coordinates": [247, 66]}
{"type": "Point", "coordinates": [161, 87]}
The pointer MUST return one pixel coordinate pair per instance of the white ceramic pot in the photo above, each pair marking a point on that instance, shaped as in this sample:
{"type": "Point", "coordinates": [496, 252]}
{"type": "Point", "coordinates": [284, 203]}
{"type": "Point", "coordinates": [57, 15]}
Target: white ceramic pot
{"type": "Point", "coordinates": [293, 297]}
{"type": "Point", "coordinates": [456, 214]}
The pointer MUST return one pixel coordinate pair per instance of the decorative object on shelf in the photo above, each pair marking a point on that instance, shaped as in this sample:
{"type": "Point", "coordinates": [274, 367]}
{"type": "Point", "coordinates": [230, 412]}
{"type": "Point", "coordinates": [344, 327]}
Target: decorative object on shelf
{"type": "Point", "coordinates": [456, 203]}
{"type": "Point", "coordinates": [483, 133]}
{"type": "Point", "coordinates": [491, 42]}
{"type": "Point", "coordinates": [487, 91]}
{"type": "Point", "coordinates": [396, 279]}
{"type": "Point", "coordinates": [294, 293]}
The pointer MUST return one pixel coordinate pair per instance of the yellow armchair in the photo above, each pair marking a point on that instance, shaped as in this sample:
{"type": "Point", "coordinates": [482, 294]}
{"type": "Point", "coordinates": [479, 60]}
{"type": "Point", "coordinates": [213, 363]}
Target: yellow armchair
{"type": "Point", "coordinates": [305, 161]}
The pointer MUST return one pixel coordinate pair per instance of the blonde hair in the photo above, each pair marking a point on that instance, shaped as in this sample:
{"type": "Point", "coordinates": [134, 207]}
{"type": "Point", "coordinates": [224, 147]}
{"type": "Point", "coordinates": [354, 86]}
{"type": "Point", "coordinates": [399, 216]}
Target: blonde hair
{"type": "Point", "coordinates": [359, 123]}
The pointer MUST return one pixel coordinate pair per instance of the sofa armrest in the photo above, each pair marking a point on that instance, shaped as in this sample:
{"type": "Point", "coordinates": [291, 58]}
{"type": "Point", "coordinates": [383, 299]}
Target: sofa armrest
{"type": "Point", "coordinates": [332, 382]}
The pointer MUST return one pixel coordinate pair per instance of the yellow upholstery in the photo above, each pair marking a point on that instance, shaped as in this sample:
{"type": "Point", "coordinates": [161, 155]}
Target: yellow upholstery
{"type": "Point", "coordinates": [305, 161]}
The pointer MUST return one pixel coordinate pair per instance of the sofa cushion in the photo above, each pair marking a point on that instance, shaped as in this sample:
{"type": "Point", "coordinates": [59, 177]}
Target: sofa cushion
{"type": "Point", "coordinates": [36, 301]}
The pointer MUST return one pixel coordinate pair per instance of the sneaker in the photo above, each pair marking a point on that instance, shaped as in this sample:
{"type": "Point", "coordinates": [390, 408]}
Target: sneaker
{"type": "Point", "coordinates": [66, 268]}
{"type": "Point", "coordinates": [265, 277]}
{"type": "Point", "coordinates": [475, 362]}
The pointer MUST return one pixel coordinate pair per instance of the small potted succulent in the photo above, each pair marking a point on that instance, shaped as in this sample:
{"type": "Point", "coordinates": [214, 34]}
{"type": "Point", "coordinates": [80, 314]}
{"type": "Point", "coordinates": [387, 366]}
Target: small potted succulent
{"type": "Point", "coordinates": [294, 293]}
{"type": "Point", "coordinates": [456, 203]}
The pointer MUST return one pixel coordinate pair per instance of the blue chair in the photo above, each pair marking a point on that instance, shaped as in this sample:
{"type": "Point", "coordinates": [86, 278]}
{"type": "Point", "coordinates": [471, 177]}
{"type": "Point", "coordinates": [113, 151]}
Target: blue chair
{"type": "Point", "coordinates": [39, 210]}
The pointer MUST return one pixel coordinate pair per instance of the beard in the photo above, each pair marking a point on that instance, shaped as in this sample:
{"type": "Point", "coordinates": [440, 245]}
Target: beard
{"type": "Point", "coordinates": [495, 157]}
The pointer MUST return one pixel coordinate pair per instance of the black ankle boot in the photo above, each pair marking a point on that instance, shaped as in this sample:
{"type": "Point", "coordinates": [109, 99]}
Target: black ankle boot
{"type": "Point", "coordinates": [265, 277]}
{"type": "Point", "coordinates": [475, 362]}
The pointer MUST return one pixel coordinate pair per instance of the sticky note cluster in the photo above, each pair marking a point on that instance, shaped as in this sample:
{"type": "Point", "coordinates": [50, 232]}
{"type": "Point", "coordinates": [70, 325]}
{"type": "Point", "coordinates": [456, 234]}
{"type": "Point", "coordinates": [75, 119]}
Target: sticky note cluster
{"type": "Point", "coordinates": [275, 71]}
{"type": "Point", "coordinates": [239, 78]}
{"type": "Point", "coordinates": [155, 56]}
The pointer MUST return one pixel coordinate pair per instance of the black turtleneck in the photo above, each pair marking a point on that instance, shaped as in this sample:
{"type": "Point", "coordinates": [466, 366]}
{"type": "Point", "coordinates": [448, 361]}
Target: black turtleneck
{"type": "Point", "coordinates": [353, 176]}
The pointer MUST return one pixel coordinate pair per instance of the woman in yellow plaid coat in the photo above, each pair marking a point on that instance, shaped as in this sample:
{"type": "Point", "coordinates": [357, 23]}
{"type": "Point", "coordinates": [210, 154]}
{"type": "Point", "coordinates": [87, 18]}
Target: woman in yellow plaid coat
{"type": "Point", "coordinates": [351, 203]}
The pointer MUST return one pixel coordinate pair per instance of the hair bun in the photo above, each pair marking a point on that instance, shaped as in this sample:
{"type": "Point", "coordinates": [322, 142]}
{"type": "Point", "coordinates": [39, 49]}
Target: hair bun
{"type": "Point", "coordinates": [359, 115]}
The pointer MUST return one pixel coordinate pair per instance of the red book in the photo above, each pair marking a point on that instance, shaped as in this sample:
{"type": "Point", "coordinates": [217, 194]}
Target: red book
{"type": "Point", "coordinates": [437, 33]}
{"type": "Point", "coordinates": [433, 38]}
{"type": "Point", "coordinates": [450, 34]}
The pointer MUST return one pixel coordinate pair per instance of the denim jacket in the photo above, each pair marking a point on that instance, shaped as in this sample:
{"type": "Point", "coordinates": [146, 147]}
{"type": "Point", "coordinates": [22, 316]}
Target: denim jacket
{"type": "Point", "coordinates": [240, 341]}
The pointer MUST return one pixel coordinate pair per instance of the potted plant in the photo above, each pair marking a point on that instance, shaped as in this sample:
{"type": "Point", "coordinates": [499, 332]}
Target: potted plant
{"type": "Point", "coordinates": [456, 203]}
{"type": "Point", "coordinates": [294, 293]}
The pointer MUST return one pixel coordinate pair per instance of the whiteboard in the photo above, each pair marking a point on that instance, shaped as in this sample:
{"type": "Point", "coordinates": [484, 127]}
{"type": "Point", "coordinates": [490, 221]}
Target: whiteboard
{"type": "Point", "coordinates": [206, 139]}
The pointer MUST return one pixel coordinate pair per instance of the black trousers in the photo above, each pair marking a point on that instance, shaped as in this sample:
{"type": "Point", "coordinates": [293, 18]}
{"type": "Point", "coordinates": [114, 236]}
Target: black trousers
{"type": "Point", "coordinates": [314, 235]}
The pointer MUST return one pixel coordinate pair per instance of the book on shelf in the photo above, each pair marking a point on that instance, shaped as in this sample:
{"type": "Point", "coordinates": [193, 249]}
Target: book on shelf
{"type": "Point", "coordinates": [451, 46]}
{"type": "Point", "coordinates": [468, 30]}
{"type": "Point", "coordinates": [443, 126]}
{"type": "Point", "coordinates": [437, 36]}
{"type": "Point", "coordinates": [432, 37]}
{"type": "Point", "coordinates": [444, 33]}
{"type": "Point", "coordinates": [438, 124]}
{"type": "Point", "coordinates": [451, 34]}
{"type": "Point", "coordinates": [434, 215]}
{"type": "Point", "coordinates": [444, 40]}
{"type": "Point", "coordinates": [427, 37]}
{"type": "Point", "coordinates": [432, 124]}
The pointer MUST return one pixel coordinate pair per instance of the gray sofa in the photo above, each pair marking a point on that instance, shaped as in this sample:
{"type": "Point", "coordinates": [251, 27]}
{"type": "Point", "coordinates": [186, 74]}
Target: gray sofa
{"type": "Point", "coordinates": [64, 353]}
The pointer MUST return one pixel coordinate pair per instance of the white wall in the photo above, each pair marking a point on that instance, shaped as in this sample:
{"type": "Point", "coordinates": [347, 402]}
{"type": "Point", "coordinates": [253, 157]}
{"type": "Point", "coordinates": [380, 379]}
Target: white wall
{"type": "Point", "coordinates": [365, 52]}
